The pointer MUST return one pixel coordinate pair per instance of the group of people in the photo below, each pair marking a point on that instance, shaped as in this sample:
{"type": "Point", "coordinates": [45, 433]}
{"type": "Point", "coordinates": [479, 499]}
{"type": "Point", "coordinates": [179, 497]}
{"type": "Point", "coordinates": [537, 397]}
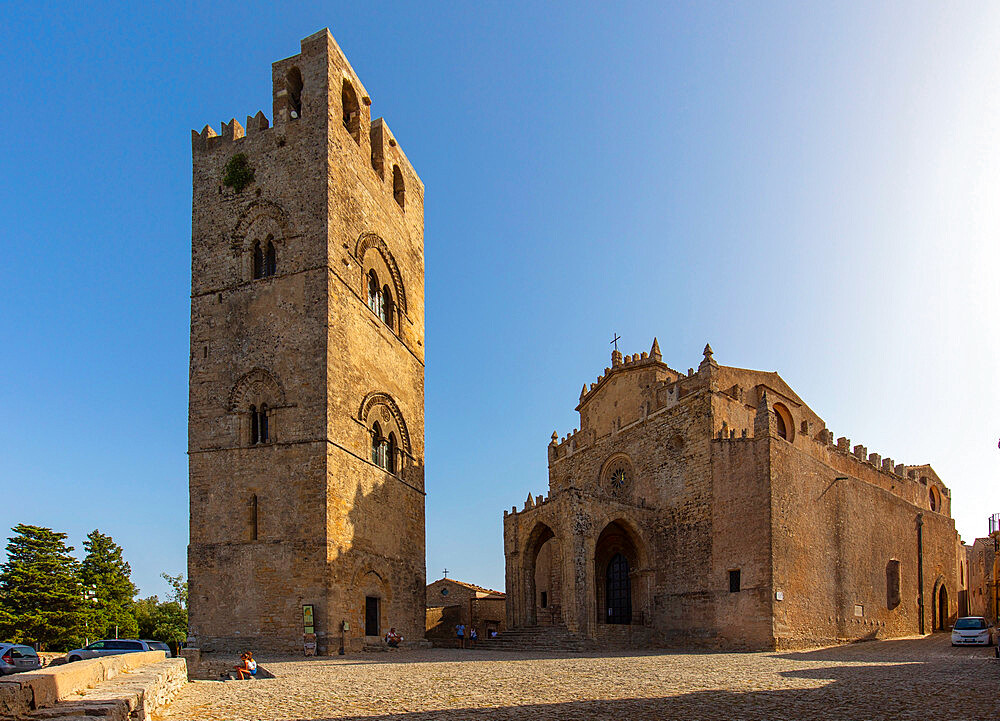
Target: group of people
{"type": "Point", "coordinates": [247, 667]}
{"type": "Point", "coordinates": [473, 634]}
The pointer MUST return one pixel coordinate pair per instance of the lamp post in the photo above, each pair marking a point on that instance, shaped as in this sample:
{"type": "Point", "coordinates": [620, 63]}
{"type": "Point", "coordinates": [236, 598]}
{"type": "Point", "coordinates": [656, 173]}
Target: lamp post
{"type": "Point", "coordinates": [89, 594]}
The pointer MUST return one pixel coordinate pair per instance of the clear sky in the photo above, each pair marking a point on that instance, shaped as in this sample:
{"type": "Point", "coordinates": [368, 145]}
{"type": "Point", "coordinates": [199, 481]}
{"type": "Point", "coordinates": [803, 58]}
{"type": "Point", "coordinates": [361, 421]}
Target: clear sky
{"type": "Point", "coordinates": [811, 187]}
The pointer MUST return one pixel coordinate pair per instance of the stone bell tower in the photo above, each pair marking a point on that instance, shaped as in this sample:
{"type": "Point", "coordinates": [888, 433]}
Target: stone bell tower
{"type": "Point", "coordinates": [306, 413]}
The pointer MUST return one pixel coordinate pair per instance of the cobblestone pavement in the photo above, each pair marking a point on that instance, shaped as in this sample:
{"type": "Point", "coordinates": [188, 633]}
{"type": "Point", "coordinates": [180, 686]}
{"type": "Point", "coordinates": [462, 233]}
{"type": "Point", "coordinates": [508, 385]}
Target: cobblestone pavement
{"type": "Point", "coordinates": [923, 678]}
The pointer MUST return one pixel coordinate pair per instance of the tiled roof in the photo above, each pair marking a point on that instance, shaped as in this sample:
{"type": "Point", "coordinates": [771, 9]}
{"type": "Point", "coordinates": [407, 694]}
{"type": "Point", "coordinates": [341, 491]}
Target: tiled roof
{"type": "Point", "coordinates": [473, 587]}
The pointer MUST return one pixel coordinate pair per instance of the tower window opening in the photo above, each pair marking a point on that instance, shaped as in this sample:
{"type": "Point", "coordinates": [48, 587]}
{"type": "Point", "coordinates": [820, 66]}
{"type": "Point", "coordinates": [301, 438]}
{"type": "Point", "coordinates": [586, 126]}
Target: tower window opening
{"type": "Point", "coordinates": [270, 259]}
{"type": "Point", "coordinates": [259, 432]}
{"type": "Point", "coordinates": [262, 424]}
{"type": "Point", "coordinates": [383, 449]}
{"type": "Point", "coordinates": [253, 517]}
{"type": "Point", "coordinates": [398, 189]}
{"type": "Point", "coordinates": [351, 111]}
{"type": "Point", "coordinates": [258, 260]}
{"type": "Point", "coordinates": [390, 453]}
{"type": "Point", "coordinates": [375, 301]}
{"type": "Point", "coordinates": [293, 85]}
{"type": "Point", "coordinates": [734, 580]}
{"type": "Point", "coordinates": [378, 161]}
{"type": "Point", "coordinates": [386, 314]}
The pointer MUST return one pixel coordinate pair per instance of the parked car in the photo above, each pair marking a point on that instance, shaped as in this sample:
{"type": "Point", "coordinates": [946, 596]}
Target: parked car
{"type": "Point", "coordinates": [158, 646]}
{"type": "Point", "coordinates": [109, 647]}
{"type": "Point", "coordinates": [16, 657]}
{"type": "Point", "coordinates": [972, 631]}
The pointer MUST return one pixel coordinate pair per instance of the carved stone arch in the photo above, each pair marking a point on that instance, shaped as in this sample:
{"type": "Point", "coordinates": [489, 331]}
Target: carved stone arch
{"type": "Point", "coordinates": [632, 529]}
{"type": "Point", "coordinates": [367, 241]}
{"type": "Point", "coordinates": [386, 401]}
{"type": "Point", "coordinates": [256, 384]}
{"type": "Point", "coordinates": [257, 220]}
{"type": "Point", "coordinates": [368, 576]}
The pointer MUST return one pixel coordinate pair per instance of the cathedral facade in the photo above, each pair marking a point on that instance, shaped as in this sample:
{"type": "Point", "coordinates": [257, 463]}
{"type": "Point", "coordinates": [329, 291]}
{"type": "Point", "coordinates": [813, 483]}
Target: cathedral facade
{"type": "Point", "coordinates": [306, 409]}
{"type": "Point", "coordinates": [714, 508]}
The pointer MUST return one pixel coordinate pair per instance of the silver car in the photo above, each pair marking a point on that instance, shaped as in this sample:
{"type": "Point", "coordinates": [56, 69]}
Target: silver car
{"type": "Point", "coordinates": [109, 647]}
{"type": "Point", "coordinates": [158, 646]}
{"type": "Point", "coordinates": [16, 657]}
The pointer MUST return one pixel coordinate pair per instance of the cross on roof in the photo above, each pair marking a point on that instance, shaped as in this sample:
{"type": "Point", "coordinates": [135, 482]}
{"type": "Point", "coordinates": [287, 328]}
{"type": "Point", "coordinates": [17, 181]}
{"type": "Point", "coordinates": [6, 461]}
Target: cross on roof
{"type": "Point", "coordinates": [615, 340]}
{"type": "Point", "coordinates": [446, 573]}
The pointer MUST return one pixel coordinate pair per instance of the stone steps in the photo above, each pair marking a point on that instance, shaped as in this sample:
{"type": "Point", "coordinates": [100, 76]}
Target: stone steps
{"type": "Point", "coordinates": [131, 696]}
{"type": "Point", "coordinates": [537, 638]}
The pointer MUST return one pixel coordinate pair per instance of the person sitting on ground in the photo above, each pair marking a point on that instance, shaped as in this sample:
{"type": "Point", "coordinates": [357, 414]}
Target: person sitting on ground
{"type": "Point", "coordinates": [248, 666]}
{"type": "Point", "coordinates": [393, 639]}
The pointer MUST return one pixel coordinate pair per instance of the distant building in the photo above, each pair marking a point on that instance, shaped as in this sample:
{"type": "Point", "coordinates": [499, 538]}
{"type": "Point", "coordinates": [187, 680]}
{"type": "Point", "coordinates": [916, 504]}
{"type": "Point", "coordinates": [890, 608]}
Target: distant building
{"type": "Point", "coordinates": [984, 573]}
{"type": "Point", "coordinates": [450, 602]}
{"type": "Point", "coordinates": [715, 508]}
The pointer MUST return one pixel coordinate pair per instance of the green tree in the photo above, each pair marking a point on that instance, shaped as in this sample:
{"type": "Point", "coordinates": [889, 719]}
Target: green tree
{"type": "Point", "coordinates": [107, 577]}
{"type": "Point", "coordinates": [179, 594]}
{"type": "Point", "coordinates": [161, 621]}
{"type": "Point", "coordinates": [40, 589]}
{"type": "Point", "coordinates": [144, 610]}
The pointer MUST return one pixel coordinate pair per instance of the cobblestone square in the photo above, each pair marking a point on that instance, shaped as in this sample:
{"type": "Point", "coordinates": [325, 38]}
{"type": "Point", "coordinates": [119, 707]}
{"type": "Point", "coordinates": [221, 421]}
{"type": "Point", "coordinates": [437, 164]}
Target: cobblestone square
{"type": "Point", "coordinates": [920, 678]}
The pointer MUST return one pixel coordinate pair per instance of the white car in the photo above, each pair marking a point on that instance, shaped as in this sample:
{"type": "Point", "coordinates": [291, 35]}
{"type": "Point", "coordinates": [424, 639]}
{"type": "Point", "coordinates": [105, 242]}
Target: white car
{"type": "Point", "coordinates": [971, 631]}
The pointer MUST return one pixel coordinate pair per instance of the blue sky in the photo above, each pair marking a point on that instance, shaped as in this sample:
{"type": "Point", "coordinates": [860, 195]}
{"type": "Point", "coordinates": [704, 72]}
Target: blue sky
{"type": "Point", "coordinates": [811, 187]}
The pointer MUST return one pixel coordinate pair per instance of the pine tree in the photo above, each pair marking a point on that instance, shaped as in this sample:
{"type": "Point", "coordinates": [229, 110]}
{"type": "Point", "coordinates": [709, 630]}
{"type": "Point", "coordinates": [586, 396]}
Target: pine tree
{"type": "Point", "coordinates": [40, 590]}
{"type": "Point", "coordinates": [107, 576]}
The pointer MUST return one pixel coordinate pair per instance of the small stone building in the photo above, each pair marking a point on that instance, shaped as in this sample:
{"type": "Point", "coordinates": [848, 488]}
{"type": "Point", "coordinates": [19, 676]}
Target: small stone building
{"type": "Point", "coordinates": [714, 507]}
{"type": "Point", "coordinates": [306, 408]}
{"type": "Point", "coordinates": [450, 602]}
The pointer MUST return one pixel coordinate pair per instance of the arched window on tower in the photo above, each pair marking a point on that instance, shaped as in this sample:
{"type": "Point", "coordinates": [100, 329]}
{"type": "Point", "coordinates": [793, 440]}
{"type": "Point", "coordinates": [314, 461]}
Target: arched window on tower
{"type": "Point", "coordinates": [374, 293]}
{"type": "Point", "coordinates": [390, 456]}
{"type": "Point", "coordinates": [265, 436]}
{"type": "Point", "coordinates": [398, 190]}
{"type": "Point", "coordinates": [258, 260]}
{"type": "Point", "coordinates": [259, 432]}
{"type": "Point", "coordinates": [378, 449]}
{"type": "Point", "coordinates": [293, 86]}
{"type": "Point", "coordinates": [270, 259]}
{"type": "Point", "coordinates": [386, 314]}
{"type": "Point", "coordinates": [351, 110]}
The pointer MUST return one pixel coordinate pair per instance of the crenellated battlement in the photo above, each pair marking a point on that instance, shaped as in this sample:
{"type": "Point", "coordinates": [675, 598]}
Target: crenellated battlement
{"type": "Point", "coordinates": [315, 94]}
{"type": "Point", "coordinates": [531, 503]}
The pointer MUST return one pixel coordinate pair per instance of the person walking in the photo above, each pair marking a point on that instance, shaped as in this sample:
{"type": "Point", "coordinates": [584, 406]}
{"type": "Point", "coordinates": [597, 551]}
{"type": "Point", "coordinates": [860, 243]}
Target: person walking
{"type": "Point", "coordinates": [460, 633]}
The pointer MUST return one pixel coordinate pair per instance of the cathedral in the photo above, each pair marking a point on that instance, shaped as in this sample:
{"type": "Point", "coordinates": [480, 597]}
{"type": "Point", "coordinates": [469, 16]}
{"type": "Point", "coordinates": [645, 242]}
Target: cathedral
{"type": "Point", "coordinates": [714, 508]}
{"type": "Point", "coordinates": [306, 408]}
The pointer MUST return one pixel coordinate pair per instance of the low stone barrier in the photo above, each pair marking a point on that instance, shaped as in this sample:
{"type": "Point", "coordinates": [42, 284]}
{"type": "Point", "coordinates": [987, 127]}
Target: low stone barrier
{"type": "Point", "coordinates": [146, 675]}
